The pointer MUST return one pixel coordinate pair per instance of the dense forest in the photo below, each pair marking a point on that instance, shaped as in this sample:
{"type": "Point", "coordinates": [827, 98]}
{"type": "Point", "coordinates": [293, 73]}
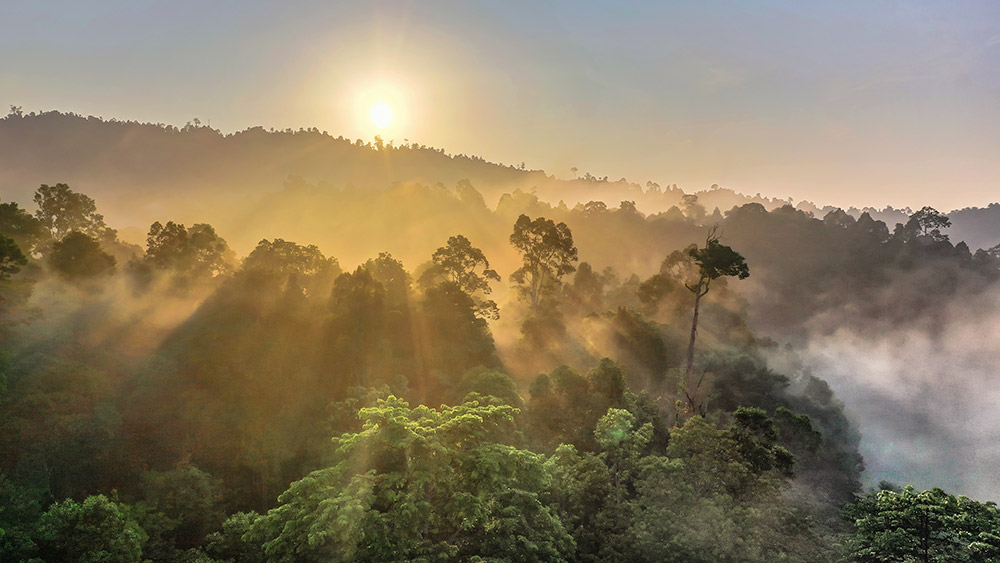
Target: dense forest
{"type": "Point", "coordinates": [396, 370]}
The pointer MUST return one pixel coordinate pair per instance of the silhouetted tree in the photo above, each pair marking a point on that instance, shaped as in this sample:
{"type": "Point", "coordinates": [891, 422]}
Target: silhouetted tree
{"type": "Point", "coordinates": [192, 254]}
{"type": "Point", "coordinates": [547, 254]}
{"type": "Point", "coordinates": [929, 222]}
{"type": "Point", "coordinates": [61, 210]}
{"type": "Point", "coordinates": [274, 263]}
{"type": "Point", "coordinates": [714, 261]}
{"type": "Point", "coordinates": [467, 267]}
{"type": "Point", "coordinates": [78, 256]}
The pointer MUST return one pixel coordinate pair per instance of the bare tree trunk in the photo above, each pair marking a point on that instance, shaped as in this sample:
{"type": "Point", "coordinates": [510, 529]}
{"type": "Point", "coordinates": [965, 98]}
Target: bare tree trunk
{"type": "Point", "coordinates": [688, 391]}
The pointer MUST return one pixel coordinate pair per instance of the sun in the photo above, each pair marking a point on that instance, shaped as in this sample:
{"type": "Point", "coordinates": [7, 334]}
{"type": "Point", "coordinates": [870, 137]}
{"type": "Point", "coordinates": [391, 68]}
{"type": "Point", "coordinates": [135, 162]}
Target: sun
{"type": "Point", "coordinates": [381, 115]}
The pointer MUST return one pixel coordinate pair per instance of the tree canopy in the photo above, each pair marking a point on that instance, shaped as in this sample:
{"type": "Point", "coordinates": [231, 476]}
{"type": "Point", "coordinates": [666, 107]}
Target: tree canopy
{"type": "Point", "coordinates": [547, 254]}
{"type": "Point", "coordinates": [62, 211]}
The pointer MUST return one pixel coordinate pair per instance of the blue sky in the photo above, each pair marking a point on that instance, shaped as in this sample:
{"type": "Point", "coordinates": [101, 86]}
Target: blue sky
{"type": "Point", "coordinates": [850, 103]}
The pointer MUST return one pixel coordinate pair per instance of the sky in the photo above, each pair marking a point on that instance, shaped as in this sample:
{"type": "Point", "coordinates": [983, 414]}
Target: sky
{"type": "Point", "coordinates": [845, 103]}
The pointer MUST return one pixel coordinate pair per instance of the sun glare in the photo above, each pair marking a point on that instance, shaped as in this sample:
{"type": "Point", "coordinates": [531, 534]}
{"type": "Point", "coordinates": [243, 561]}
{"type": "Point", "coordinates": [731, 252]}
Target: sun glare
{"type": "Point", "coordinates": [381, 115]}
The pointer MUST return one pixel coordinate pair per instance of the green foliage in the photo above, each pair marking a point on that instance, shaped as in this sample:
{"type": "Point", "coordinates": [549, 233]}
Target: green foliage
{"type": "Point", "coordinates": [185, 502]}
{"type": "Point", "coordinates": [357, 326]}
{"type": "Point", "coordinates": [910, 525]}
{"type": "Point", "coordinates": [485, 382]}
{"type": "Point", "coordinates": [250, 385]}
{"type": "Point", "coordinates": [231, 543]}
{"type": "Point", "coordinates": [11, 258]}
{"type": "Point", "coordinates": [97, 530]}
{"type": "Point", "coordinates": [714, 261]}
{"type": "Point", "coordinates": [420, 484]}
{"type": "Point", "coordinates": [20, 508]}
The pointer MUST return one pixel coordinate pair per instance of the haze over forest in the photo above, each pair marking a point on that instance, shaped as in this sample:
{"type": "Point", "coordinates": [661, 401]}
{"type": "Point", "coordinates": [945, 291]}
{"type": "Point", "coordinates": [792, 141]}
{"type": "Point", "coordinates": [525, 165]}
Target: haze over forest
{"type": "Point", "coordinates": [208, 314]}
{"type": "Point", "coordinates": [685, 282]}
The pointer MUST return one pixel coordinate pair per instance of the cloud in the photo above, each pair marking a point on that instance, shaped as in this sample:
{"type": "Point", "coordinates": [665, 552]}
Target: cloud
{"type": "Point", "coordinates": [924, 397]}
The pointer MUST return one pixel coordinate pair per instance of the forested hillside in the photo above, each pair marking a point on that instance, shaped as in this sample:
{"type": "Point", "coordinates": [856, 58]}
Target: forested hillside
{"type": "Point", "coordinates": [400, 369]}
{"type": "Point", "coordinates": [141, 172]}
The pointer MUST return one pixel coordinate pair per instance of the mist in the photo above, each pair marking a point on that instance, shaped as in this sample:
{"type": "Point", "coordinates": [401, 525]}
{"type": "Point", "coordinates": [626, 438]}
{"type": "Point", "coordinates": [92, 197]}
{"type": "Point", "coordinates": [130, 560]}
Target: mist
{"type": "Point", "coordinates": [923, 397]}
{"type": "Point", "coordinates": [171, 344]}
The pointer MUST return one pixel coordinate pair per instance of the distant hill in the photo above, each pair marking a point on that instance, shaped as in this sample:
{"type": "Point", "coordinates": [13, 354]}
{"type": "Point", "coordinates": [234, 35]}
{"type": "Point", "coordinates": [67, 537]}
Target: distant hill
{"type": "Point", "coordinates": [144, 172]}
{"type": "Point", "coordinates": [979, 227]}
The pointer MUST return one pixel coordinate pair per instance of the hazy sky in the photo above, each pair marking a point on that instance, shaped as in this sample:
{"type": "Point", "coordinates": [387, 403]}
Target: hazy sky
{"type": "Point", "coordinates": [863, 103]}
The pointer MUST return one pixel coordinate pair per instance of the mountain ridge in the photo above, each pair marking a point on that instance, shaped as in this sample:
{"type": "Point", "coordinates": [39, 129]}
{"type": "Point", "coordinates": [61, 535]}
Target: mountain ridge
{"type": "Point", "coordinates": [141, 172]}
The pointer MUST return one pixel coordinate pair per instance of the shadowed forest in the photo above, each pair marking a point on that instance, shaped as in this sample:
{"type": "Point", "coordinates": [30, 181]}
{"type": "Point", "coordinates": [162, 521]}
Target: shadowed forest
{"type": "Point", "coordinates": [284, 346]}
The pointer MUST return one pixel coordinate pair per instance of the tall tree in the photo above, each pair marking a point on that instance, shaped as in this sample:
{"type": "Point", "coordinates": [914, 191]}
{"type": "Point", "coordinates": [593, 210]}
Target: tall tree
{"type": "Point", "coordinates": [547, 254]}
{"type": "Point", "coordinates": [467, 267]}
{"type": "Point", "coordinates": [714, 261]}
{"type": "Point", "coordinates": [929, 222]}
{"type": "Point", "coordinates": [461, 263]}
{"type": "Point", "coordinates": [61, 210]}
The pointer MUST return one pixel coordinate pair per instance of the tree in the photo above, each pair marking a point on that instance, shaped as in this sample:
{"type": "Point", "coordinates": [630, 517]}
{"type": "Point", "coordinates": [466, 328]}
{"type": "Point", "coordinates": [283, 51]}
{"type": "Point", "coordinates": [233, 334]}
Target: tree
{"type": "Point", "coordinates": [925, 526]}
{"type": "Point", "coordinates": [284, 258]}
{"type": "Point", "coordinates": [715, 260]}
{"type": "Point", "coordinates": [467, 267]}
{"type": "Point", "coordinates": [595, 208]}
{"type": "Point", "coordinates": [692, 209]}
{"type": "Point", "coordinates": [711, 500]}
{"type": "Point", "coordinates": [460, 261]}
{"type": "Point", "coordinates": [926, 223]}
{"type": "Point", "coordinates": [547, 254]}
{"type": "Point", "coordinates": [195, 253]}
{"type": "Point", "coordinates": [456, 337]}
{"type": "Point", "coordinates": [421, 484]}
{"type": "Point", "coordinates": [394, 278]}
{"type": "Point", "coordinates": [61, 211]}
{"type": "Point", "coordinates": [21, 226]}
{"type": "Point", "coordinates": [839, 218]}
{"type": "Point", "coordinates": [278, 263]}
{"type": "Point", "coordinates": [77, 256]}
{"type": "Point", "coordinates": [931, 221]}
{"type": "Point", "coordinates": [98, 530]}
{"type": "Point", "coordinates": [11, 258]}
{"type": "Point", "coordinates": [357, 326]}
